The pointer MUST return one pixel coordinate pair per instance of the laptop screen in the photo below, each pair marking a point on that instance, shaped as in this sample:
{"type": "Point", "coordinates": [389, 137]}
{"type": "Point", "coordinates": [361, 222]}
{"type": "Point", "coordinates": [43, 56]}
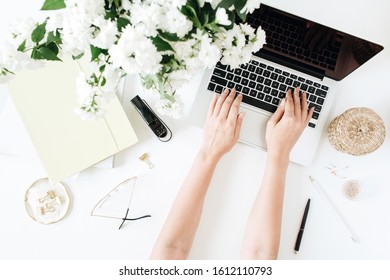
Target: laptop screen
{"type": "Point", "coordinates": [310, 47]}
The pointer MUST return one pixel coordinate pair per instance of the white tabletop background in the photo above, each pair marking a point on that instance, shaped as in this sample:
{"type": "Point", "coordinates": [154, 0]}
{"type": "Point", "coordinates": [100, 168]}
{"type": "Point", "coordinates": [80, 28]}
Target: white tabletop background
{"type": "Point", "coordinates": [236, 180]}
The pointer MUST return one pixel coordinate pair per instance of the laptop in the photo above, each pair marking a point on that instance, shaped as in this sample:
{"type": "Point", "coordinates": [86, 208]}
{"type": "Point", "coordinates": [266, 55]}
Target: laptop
{"type": "Point", "coordinates": [298, 53]}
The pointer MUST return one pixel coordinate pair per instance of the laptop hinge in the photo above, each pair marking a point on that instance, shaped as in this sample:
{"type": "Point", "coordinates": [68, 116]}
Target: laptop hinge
{"type": "Point", "coordinates": [288, 62]}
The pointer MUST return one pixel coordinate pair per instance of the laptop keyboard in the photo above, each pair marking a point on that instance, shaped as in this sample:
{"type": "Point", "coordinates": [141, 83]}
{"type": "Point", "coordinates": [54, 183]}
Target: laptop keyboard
{"type": "Point", "coordinates": [286, 35]}
{"type": "Point", "coordinates": [264, 86]}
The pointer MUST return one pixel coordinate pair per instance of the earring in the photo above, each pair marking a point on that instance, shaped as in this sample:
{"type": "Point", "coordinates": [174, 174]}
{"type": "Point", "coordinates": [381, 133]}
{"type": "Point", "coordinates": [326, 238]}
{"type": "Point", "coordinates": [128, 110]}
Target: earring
{"type": "Point", "coordinates": [56, 201]}
{"type": "Point", "coordinates": [44, 210]}
{"type": "Point", "coordinates": [50, 195]}
{"type": "Point", "coordinates": [144, 158]}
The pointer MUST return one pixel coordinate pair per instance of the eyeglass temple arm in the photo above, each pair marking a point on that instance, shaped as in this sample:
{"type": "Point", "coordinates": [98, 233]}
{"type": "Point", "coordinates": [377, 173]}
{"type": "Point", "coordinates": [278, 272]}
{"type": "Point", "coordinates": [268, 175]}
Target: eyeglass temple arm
{"type": "Point", "coordinates": [131, 219]}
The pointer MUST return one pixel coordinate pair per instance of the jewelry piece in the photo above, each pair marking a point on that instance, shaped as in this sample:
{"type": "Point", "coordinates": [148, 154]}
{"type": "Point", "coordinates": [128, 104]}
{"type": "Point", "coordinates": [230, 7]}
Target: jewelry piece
{"type": "Point", "coordinates": [44, 210]}
{"type": "Point", "coordinates": [336, 171]}
{"type": "Point", "coordinates": [43, 192]}
{"type": "Point", "coordinates": [56, 201]}
{"type": "Point", "coordinates": [50, 195]}
{"type": "Point", "coordinates": [144, 158]}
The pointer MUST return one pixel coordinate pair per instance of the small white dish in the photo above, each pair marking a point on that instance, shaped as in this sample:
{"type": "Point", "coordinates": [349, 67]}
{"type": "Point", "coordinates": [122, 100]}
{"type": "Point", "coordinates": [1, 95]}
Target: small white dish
{"type": "Point", "coordinates": [46, 203]}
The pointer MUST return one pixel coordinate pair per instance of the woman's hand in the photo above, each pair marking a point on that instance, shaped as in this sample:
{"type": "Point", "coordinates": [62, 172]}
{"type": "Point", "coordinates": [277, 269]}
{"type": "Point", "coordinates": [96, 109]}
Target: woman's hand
{"type": "Point", "coordinates": [287, 124]}
{"type": "Point", "coordinates": [223, 125]}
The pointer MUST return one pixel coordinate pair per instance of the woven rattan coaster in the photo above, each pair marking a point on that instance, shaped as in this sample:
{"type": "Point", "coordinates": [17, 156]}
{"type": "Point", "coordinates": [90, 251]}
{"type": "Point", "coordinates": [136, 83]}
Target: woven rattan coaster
{"type": "Point", "coordinates": [358, 131]}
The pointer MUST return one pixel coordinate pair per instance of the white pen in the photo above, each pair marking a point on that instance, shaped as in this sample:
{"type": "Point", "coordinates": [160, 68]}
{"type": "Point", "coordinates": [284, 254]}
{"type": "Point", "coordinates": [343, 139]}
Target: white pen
{"type": "Point", "coordinates": [333, 207]}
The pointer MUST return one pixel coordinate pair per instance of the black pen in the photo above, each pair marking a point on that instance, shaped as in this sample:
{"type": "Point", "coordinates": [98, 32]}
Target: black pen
{"type": "Point", "coordinates": [302, 228]}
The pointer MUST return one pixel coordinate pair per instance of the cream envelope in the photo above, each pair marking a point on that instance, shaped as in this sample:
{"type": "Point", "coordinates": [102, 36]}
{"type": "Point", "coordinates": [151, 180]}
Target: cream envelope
{"type": "Point", "coordinates": [65, 144]}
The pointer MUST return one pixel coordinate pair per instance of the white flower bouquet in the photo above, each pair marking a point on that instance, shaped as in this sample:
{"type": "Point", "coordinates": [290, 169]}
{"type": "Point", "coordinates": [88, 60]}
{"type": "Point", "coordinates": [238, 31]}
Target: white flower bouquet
{"type": "Point", "coordinates": [164, 41]}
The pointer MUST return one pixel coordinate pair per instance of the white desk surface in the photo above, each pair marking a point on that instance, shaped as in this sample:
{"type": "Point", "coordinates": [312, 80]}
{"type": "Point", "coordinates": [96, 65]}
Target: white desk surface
{"type": "Point", "coordinates": [236, 180]}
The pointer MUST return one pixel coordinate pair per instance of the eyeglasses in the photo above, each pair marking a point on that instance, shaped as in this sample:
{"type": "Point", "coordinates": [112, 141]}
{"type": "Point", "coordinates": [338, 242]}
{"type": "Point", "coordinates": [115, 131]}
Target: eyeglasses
{"type": "Point", "coordinates": [110, 195]}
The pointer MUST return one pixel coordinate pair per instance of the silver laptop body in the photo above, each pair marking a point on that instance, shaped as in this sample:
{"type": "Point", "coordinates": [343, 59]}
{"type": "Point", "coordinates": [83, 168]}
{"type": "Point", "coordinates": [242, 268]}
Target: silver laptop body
{"type": "Point", "coordinates": [289, 63]}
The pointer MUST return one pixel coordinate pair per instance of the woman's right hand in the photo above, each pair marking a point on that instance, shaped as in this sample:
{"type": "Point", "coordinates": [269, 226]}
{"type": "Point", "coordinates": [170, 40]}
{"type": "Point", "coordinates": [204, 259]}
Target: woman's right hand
{"type": "Point", "coordinates": [287, 124]}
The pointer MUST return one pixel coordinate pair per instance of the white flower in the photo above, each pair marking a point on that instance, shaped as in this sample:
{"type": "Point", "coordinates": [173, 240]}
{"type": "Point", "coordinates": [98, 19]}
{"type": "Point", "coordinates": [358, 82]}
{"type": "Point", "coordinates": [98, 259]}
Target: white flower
{"type": "Point", "coordinates": [176, 3]}
{"type": "Point", "coordinates": [177, 23]}
{"type": "Point", "coordinates": [239, 43]}
{"type": "Point", "coordinates": [83, 89]}
{"type": "Point", "coordinates": [90, 8]}
{"type": "Point", "coordinates": [222, 17]}
{"type": "Point", "coordinates": [240, 37]}
{"type": "Point", "coordinates": [246, 54]}
{"type": "Point", "coordinates": [76, 33]}
{"type": "Point", "coordinates": [250, 6]}
{"type": "Point", "coordinates": [232, 57]}
{"type": "Point", "coordinates": [54, 22]}
{"type": "Point", "coordinates": [185, 49]}
{"type": "Point", "coordinates": [106, 33]}
{"type": "Point", "coordinates": [126, 5]}
{"type": "Point", "coordinates": [14, 60]}
{"type": "Point", "coordinates": [209, 55]}
{"type": "Point", "coordinates": [87, 113]}
{"type": "Point", "coordinates": [148, 16]}
{"type": "Point", "coordinates": [132, 50]}
{"type": "Point", "coordinates": [20, 30]}
{"type": "Point", "coordinates": [168, 108]}
{"type": "Point", "coordinates": [247, 29]}
{"type": "Point", "coordinates": [260, 40]}
{"type": "Point", "coordinates": [121, 57]}
{"type": "Point", "coordinates": [147, 58]}
{"type": "Point", "coordinates": [135, 53]}
{"type": "Point", "coordinates": [179, 78]}
{"type": "Point", "coordinates": [112, 76]}
{"type": "Point", "coordinates": [91, 102]}
{"type": "Point", "coordinates": [194, 63]}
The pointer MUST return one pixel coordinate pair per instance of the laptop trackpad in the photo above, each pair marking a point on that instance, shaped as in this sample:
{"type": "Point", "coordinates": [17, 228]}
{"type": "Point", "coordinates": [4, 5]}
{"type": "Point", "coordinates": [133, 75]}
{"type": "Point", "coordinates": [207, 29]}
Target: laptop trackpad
{"type": "Point", "coordinates": [253, 127]}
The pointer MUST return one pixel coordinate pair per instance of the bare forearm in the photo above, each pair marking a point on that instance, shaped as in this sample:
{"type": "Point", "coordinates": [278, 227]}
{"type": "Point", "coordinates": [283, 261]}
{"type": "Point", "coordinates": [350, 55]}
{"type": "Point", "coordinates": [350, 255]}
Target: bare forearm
{"type": "Point", "coordinates": [178, 233]}
{"type": "Point", "coordinates": [262, 234]}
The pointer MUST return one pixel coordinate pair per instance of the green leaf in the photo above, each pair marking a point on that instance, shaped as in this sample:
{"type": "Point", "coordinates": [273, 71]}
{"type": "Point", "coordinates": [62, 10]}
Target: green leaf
{"type": "Point", "coordinates": [161, 44]}
{"type": "Point", "coordinates": [22, 46]}
{"type": "Point", "coordinates": [39, 33]}
{"type": "Point", "coordinates": [195, 5]}
{"type": "Point", "coordinates": [104, 81]}
{"type": "Point", "coordinates": [53, 38]}
{"type": "Point", "coordinates": [239, 5]}
{"type": "Point", "coordinates": [48, 54]}
{"type": "Point", "coordinates": [168, 36]}
{"type": "Point", "coordinates": [147, 82]}
{"type": "Point", "coordinates": [166, 59]}
{"type": "Point", "coordinates": [53, 47]}
{"type": "Point", "coordinates": [213, 27]}
{"type": "Point", "coordinates": [241, 16]}
{"type": "Point", "coordinates": [53, 5]}
{"type": "Point", "coordinates": [110, 15]}
{"type": "Point", "coordinates": [207, 14]}
{"type": "Point", "coordinates": [95, 52]}
{"type": "Point", "coordinates": [117, 3]}
{"type": "Point", "coordinates": [190, 13]}
{"type": "Point", "coordinates": [226, 3]}
{"type": "Point", "coordinates": [95, 79]}
{"type": "Point", "coordinates": [35, 54]}
{"type": "Point", "coordinates": [77, 57]}
{"type": "Point", "coordinates": [122, 23]}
